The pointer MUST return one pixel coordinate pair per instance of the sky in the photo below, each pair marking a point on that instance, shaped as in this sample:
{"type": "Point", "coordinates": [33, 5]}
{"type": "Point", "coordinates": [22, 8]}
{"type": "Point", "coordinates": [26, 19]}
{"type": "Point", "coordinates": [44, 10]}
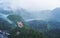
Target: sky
{"type": "Point", "coordinates": [40, 4]}
{"type": "Point", "coordinates": [31, 4]}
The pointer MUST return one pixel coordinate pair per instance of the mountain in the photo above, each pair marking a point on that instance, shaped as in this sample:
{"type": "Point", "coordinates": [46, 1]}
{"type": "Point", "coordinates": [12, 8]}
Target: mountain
{"type": "Point", "coordinates": [4, 16]}
{"type": "Point", "coordinates": [42, 25]}
{"type": "Point", "coordinates": [24, 13]}
{"type": "Point", "coordinates": [56, 13]}
{"type": "Point", "coordinates": [6, 25]}
{"type": "Point", "coordinates": [13, 29]}
{"type": "Point", "coordinates": [48, 22]}
{"type": "Point", "coordinates": [39, 25]}
{"type": "Point", "coordinates": [6, 11]}
{"type": "Point", "coordinates": [15, 18]}
{"type": "Point", "coordinates": [25, 31]}
{"type": "Point", "coordinates": [42, 14]}
{"type": "Point", "coordinates": [54, 24]}
{"type": "Point", "coordinates": [54, 33]}
{"type": "Point", "coordinates": [51, 28]}
{"type": "Point", "coordinates": [47, 14]}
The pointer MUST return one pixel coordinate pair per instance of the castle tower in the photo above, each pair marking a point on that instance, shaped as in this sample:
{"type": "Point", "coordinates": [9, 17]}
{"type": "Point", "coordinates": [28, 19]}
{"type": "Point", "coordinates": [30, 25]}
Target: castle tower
{"type": "Point", "coordinates": [20, 24]}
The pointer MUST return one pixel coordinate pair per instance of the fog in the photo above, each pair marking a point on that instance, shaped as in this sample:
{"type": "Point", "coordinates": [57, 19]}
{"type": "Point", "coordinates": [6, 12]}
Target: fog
{"type": "Point", "coordinates": [30, 4]}
{"type": "Point", "coordinates": [33, 6]}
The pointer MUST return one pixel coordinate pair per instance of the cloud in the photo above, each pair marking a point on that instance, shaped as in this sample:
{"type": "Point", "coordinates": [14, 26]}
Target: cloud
{"type": "Point", "coordinates": [39, 4]}
{"type": "Point", "coordinates": [32, 4]}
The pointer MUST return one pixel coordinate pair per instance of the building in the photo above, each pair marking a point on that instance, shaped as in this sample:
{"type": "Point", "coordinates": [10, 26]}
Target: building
{"type": "Point", "coordinates": [20, 24]}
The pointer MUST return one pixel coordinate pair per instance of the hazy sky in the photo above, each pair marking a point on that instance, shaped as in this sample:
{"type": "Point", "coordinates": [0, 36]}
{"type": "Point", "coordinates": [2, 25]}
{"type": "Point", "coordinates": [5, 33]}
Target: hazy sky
{"type": "Point", "coordinates": [33, 4]}
{"type": "Point", "coordinates": [40, 4]}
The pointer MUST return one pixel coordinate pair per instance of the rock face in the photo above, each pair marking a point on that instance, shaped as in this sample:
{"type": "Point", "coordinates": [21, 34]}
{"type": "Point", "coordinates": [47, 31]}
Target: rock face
{"type": "Point", "coordinates": [4, 34]}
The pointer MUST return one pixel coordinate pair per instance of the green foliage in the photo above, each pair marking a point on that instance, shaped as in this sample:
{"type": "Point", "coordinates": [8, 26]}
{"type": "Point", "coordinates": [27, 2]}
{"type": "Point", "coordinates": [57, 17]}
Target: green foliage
{"type": "Point", "coordinates": [5, 25]}
{"type": "Point", "coordinates": [15, 18]}
{"type": "Point", "coordinates": [26, 33]}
